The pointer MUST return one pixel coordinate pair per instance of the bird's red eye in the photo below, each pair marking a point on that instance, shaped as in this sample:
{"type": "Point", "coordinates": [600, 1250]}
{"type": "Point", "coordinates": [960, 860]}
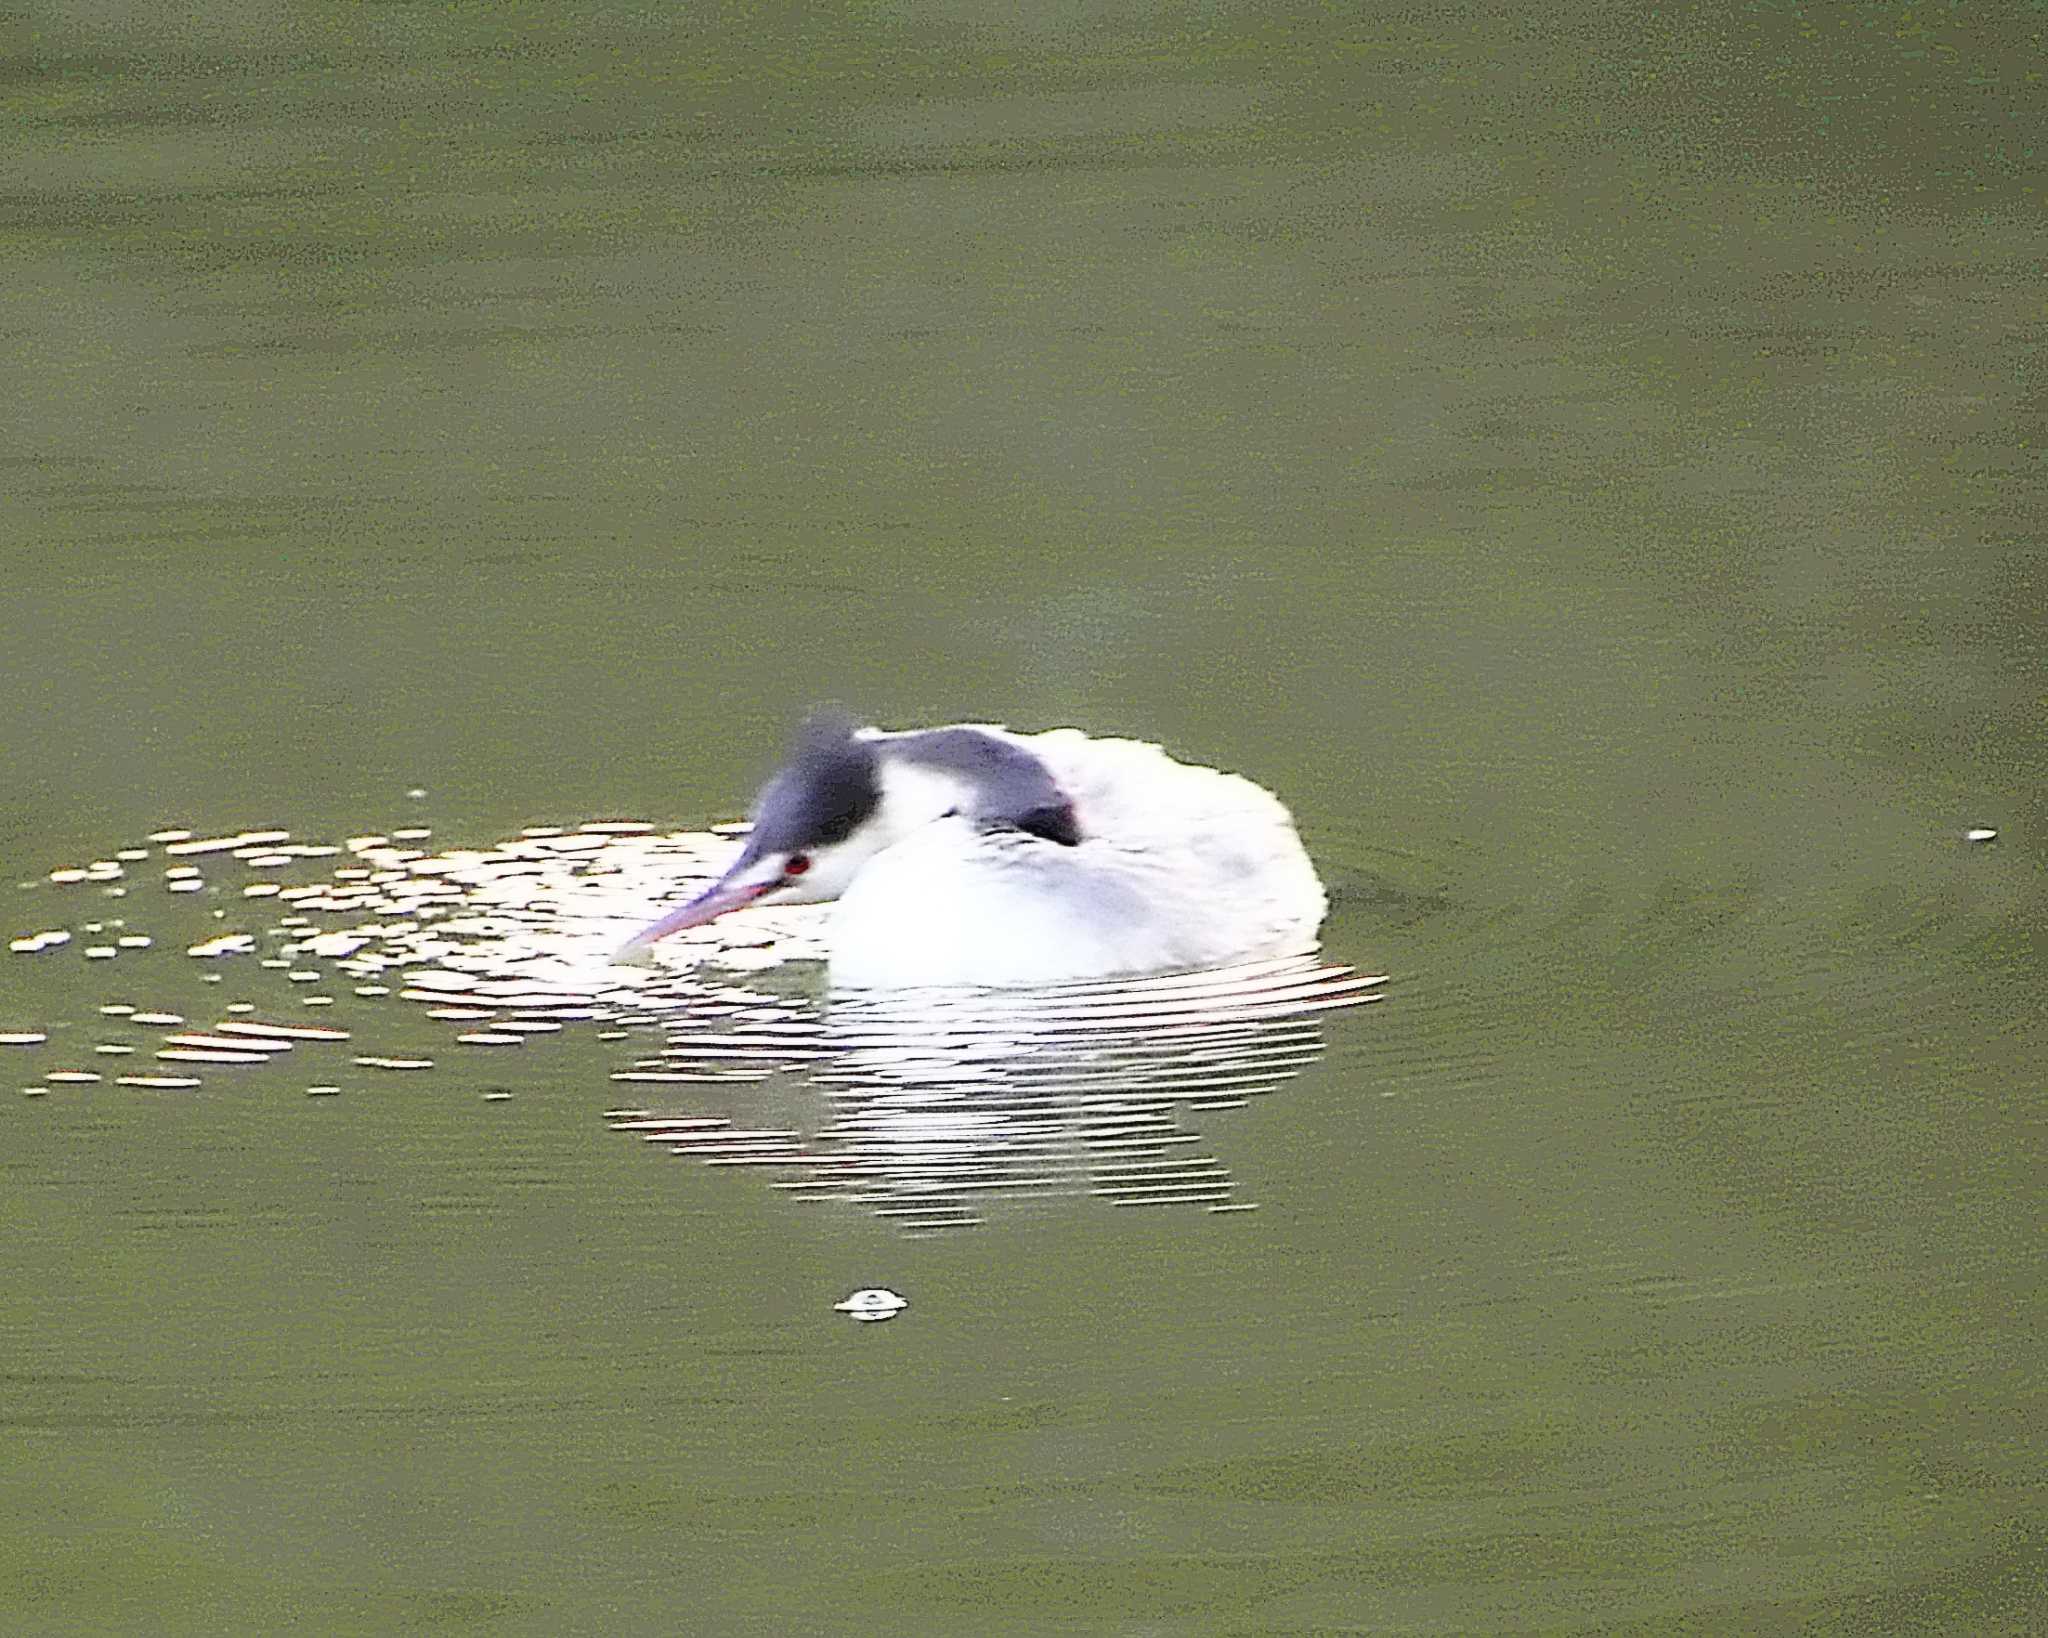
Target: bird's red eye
{"type": "Point", "coordinates": [796, 864]}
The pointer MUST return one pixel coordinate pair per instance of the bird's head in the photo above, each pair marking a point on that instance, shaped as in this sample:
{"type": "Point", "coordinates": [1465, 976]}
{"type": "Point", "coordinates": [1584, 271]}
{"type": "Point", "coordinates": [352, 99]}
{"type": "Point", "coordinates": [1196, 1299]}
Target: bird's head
{"type": "Point", "coordinates": [816, 822]}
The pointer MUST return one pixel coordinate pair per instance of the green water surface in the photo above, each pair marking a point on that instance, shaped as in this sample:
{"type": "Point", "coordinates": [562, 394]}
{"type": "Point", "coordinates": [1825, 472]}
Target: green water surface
{"type": "Point", "coordinates": [1587, 458]}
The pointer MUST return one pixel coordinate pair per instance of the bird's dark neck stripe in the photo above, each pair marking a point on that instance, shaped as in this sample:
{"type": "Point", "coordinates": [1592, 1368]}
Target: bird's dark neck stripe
{"type": "Point", "coordinates": [1004, 781]}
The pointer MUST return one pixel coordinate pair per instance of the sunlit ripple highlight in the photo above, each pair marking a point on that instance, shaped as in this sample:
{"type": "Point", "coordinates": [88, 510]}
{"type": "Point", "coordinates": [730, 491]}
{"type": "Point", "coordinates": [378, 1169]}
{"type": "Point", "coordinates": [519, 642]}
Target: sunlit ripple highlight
{"type": "Point", "coordinates": [927, 1108]}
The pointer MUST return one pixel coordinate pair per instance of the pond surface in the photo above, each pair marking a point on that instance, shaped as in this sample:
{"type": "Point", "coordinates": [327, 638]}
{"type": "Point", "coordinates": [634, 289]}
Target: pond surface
{"type": "Point", "coordinates": [1590, 467]}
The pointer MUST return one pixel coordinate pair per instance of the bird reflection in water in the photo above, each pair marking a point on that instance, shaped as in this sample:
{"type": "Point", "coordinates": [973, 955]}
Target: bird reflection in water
{"type": "Point", "coordinates": [942, 1102]}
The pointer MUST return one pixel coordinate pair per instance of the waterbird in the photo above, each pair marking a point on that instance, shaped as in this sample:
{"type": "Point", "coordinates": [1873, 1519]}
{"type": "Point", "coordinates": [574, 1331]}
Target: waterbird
{"type": "Point", "coordinates": [968, 855]}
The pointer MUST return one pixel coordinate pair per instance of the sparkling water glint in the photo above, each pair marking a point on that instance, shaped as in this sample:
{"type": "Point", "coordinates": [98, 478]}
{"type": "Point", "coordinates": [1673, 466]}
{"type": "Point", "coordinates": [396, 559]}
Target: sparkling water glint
{"type": "Point", "coordinates": [927, 1108]}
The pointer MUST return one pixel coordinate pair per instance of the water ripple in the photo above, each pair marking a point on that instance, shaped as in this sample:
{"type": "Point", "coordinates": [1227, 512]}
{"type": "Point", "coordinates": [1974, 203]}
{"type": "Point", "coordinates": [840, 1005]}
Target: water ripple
{"type": "Point", "coordinates": [923, 1107]}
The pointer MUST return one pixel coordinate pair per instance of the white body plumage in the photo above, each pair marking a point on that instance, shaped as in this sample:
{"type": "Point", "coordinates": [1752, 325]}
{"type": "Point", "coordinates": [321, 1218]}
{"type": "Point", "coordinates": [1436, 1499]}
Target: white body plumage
{"type": "Point", "coordinates": [1178, 867]}
{"type": "Point", "coordinates": [969, 855]}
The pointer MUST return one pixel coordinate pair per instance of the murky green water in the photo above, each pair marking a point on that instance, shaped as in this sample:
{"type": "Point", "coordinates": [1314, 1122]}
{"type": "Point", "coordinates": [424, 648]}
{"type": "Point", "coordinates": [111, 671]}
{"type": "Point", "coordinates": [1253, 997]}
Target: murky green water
{"type": "Point", "coordinates": [1590, 465]}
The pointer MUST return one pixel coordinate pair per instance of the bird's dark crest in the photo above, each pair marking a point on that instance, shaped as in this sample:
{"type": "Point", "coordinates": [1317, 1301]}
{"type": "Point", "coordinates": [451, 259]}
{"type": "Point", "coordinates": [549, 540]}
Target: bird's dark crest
{"type": "Point", "coordinates": [825, 729]}
{"type": "Point", "coordinates": [823, 793]}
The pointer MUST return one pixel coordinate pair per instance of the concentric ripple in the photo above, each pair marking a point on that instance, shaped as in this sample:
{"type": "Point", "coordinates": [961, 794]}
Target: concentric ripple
{"type": "Point", "coordinates": [924, 1107]}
